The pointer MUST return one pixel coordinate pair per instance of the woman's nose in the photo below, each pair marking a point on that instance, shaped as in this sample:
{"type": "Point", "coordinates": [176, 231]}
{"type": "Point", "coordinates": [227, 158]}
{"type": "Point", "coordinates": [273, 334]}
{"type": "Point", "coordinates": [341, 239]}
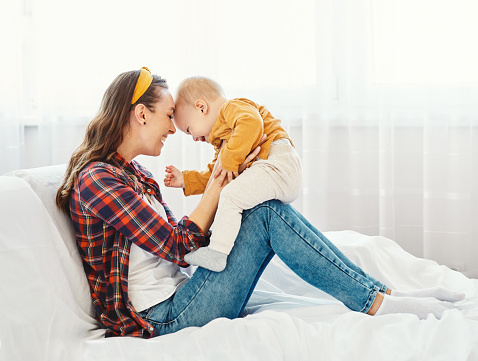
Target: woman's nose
{"type": "Point", "coordinates": [172, 128]}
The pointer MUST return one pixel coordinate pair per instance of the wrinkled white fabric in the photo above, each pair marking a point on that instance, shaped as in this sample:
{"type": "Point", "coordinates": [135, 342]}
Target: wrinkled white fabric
{"type": "Point", "coordinates": [46, 312]}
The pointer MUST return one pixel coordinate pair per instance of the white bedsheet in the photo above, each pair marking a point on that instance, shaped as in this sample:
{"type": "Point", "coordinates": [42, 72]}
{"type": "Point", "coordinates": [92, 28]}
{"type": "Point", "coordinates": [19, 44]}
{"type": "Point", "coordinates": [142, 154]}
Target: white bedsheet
{"type": "Point", "coordinates": [46, 313]}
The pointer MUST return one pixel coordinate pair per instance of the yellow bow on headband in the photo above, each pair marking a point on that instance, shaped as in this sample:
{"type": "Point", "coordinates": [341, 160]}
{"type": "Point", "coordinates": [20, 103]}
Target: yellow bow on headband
{"type": "Point", "coordinates": [144, 81]}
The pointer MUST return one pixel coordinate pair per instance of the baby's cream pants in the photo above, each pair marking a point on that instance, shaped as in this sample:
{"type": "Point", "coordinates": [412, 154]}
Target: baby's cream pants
{"type": "Point", "coordinates": [278, 177]}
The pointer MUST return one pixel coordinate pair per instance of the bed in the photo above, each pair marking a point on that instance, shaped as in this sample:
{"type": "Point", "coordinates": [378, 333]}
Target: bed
{"type": "Point", "coordinates": [46, 312]}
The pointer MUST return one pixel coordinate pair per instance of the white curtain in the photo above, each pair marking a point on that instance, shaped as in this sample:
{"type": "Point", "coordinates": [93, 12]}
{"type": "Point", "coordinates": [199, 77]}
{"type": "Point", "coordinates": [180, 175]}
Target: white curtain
{"type": "Point", "coordinates": [380, 97]}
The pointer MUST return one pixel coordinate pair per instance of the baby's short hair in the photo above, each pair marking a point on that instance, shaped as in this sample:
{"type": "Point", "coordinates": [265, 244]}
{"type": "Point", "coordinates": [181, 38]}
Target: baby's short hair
{"type": "Point", "coordinates": [194, 88]}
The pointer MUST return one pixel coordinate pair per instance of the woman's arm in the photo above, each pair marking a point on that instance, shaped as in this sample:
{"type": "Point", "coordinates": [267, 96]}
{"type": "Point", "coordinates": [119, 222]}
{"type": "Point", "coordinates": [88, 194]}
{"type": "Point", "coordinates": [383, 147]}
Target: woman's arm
{"type": "Point", "coordinates": [103, 202]}
{"type": "Point", "coordinates": [203, 214]}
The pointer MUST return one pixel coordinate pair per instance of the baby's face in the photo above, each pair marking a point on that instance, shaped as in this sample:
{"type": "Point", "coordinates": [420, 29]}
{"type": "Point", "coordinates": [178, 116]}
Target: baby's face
{"type": "Point", "coordinates": [191, 121]}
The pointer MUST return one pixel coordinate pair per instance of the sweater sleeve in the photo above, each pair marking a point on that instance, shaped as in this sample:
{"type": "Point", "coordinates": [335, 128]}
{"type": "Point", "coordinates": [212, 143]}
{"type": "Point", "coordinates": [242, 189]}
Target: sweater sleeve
{"type": "Point", "coordinates": [195, 182]}
{"type": "Point", "coordinates": [247, 129]}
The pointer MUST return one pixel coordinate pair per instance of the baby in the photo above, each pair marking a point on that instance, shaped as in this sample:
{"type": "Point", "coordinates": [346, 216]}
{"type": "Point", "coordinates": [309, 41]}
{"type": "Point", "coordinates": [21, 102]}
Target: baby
{"type": "Point", "coordinates": [235, 127]}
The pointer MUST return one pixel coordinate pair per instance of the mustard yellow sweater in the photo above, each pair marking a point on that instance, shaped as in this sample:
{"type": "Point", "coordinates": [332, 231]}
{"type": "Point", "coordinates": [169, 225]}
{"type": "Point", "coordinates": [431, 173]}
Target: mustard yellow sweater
{"type": "Point", "coordinates": [241, 123]}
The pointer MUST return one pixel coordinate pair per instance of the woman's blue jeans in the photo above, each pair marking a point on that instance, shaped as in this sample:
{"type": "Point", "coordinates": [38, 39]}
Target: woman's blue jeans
{"type": "Point", "coordinates": [267, 229]}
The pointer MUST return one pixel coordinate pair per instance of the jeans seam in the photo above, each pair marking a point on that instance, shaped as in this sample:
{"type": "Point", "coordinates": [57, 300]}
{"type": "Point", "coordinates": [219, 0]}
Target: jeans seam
{"type": "Point", "coordinates": [248, 296]}
{"type": "Point", "coordinates": [373, 289]}
{"type": "Point", "coordinates": [370, 300]}
{"type": "Point", "coordinates": [331, 261]}
{"type": "Point", "coordinates": [185, 307]}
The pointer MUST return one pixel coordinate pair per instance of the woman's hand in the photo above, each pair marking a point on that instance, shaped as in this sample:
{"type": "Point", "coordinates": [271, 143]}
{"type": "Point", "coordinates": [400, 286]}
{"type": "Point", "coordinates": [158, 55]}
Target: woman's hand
{"type": "Point", "coordinates": [252, 156]}
{"type": "Point", "coordinates": [229, 175]}
{"type": "Point", "coordinates": [174, 177]}
{"type": "Point", "coordinates": [224, 174]}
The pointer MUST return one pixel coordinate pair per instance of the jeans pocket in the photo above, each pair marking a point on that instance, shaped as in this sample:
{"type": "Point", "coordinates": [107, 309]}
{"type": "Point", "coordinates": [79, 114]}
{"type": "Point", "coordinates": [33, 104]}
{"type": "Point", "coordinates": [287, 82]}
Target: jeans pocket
{"type": "Point", "coordinates": [145, 313]}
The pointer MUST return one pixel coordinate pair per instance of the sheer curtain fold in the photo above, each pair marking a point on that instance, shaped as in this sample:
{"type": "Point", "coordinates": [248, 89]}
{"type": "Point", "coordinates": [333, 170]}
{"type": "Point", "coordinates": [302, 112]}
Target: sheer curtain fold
{"type": "Point", "coordinates": [11, 122]}
{"type": "Point", "coordinates": [379, 97]}
{"type": "Point", "coordinates": [389, 146]}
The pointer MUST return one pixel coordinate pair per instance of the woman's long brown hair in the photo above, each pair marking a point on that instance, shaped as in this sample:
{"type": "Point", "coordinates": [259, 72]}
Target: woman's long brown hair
{"type": "Point", "coordinates": [104, 133]}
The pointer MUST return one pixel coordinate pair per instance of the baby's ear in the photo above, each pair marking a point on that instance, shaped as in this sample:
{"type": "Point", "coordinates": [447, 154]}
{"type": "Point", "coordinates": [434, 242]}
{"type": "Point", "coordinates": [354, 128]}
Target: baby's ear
{"type": "Point", "coordinates": [201, 105]}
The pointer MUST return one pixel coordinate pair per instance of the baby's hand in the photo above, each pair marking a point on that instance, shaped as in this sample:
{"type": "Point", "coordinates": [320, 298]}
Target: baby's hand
{"type": "Point", "coordinates": [174, 177]}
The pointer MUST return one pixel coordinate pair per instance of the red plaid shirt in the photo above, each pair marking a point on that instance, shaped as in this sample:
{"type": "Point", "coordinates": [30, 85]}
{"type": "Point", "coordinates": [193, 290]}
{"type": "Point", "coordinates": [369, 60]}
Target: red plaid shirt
{"type": "Point", "coordinates": [109, 214]}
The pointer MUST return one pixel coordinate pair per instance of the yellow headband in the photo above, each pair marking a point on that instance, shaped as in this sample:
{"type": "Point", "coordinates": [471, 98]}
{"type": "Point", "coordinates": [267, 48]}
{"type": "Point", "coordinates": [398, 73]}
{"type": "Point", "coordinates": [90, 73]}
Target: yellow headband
{"type": "Point", "coordinates": [144, 81]}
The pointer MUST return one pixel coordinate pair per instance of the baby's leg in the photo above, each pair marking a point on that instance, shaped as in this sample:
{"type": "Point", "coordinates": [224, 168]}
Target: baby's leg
{"type": "Point", "coordinates": [206, 257]}
{"type": "Point", "coordinates": [255, 185]}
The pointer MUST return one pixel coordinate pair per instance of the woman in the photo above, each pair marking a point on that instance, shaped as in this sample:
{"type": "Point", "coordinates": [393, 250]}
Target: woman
{"type": "Point", "coordinates": [132, 247]}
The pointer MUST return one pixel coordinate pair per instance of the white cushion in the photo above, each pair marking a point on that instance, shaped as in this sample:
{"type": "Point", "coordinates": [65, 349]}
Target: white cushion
{"type": "Point", "coordinates": [44, 292]}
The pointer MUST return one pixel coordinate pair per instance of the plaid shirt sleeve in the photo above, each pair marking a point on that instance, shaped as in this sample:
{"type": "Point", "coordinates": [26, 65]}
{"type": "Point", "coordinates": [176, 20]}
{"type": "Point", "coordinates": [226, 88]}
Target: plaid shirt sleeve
{"type": "Point", "coordinates": [103, 194]}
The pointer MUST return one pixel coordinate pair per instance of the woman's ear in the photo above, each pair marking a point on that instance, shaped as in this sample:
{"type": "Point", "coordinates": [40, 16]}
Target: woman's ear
{"type": "Point", "coordinates": [201, 105]}
{"type": "Point", "coordinates": [139, 113]}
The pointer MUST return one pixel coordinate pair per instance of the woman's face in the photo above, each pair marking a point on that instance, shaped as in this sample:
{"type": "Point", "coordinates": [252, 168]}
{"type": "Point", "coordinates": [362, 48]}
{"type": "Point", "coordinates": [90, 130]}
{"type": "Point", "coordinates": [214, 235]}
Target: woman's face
{"type": "Point", "coordinates": [159, 125]}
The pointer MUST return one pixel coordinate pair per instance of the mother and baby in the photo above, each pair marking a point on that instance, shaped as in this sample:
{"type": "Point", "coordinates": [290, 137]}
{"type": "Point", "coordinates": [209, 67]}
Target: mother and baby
{"type": "Point", "coordinates": [133, 248]}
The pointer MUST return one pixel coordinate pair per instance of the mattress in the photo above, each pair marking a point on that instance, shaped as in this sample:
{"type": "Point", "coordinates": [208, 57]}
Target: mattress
{"type": "Point", "coordinates": [46, 312]}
